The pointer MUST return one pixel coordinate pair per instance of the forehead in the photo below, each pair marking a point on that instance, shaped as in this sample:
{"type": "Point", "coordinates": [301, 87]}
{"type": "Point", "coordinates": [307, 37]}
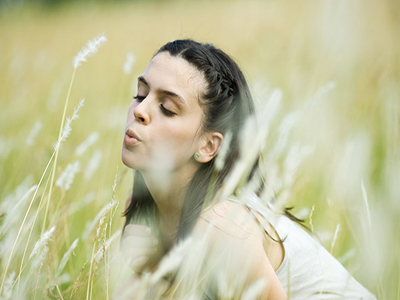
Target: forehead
{"type": "Point", "coordinates": [174, 74]}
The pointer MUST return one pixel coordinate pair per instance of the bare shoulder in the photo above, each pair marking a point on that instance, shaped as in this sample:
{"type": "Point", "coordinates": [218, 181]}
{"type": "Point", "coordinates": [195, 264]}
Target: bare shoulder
{"type": "Point", "coordinates": [230, 226]}
{"type": "Point", "coordinates": [236, 245]}
{"type": "Point", "coordinates": [231, 219]}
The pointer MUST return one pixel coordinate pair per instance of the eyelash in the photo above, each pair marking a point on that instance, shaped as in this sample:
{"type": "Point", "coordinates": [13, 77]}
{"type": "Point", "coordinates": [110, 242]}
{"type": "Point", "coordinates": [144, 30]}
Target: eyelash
{"type": "Point", "coordinates": [139, 98]}
{"type": "Point", "coordinates": [166, 111]}
{"type": "Point", "coordinates": [163, 109]}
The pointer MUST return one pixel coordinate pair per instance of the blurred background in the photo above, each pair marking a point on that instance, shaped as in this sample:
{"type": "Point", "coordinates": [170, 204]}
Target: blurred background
{"type": "Point", "coordinates": [336, 63]}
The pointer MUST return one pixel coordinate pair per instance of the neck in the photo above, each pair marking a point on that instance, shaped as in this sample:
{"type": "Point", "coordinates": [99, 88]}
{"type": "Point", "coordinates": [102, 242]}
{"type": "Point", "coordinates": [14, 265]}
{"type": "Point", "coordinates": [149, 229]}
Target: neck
{"type": "Point", "coordinates": [168, 190]}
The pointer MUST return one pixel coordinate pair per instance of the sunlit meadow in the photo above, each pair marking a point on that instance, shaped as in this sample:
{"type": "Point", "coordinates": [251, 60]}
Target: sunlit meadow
{"type": "Point", "coordinates": [324, 74]}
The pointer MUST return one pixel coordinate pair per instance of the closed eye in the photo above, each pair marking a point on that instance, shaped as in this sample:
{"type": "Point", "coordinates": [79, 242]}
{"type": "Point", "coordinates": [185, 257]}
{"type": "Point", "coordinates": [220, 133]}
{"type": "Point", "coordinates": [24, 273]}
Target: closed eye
{"type": "Point", "coordinates": [139, 98]}
{"type": "Point", "coordinates": [166, 111]}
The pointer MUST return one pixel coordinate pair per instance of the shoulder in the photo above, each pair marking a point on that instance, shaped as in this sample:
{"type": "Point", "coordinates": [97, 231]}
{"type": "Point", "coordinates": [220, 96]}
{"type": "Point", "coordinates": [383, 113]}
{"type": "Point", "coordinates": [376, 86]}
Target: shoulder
{"type": "Point", "coordinates": [236, 245]}
{"type": "Point", "coordinates": [231, 229]}
{"type": "Point", "coordinates": [231, 219]}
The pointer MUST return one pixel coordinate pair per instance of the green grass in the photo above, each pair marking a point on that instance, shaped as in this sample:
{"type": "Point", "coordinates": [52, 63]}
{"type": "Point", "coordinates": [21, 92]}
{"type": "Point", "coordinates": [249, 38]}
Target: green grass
{"type": "Point", "coordinates": [296, 46]}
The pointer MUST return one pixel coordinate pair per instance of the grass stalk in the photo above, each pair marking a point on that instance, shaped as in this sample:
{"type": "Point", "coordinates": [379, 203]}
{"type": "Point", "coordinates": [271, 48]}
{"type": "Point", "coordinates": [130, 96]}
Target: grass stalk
{"type": "Point", "coordinates": [109, 249]}
{"type": "Point", "coordinates": [90, 271]}
{"type": "Point", "coordinates": [107, 264]}
{"type": "Point", "coordinates": [23, 223]}
{"type": "Point", "coordinates": [22, 267]}
{"type": "Point", "coordinates": [57, 151]}
{"type": "Point", "coordinates": [55, 156]}
{"type": "Point", "coordinates": [59, 292]}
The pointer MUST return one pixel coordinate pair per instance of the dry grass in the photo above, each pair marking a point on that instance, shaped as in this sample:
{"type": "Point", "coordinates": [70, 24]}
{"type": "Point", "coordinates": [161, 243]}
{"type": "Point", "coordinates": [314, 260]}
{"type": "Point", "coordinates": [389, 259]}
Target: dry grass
{"type": "Point", "coordinates": [336, 63]}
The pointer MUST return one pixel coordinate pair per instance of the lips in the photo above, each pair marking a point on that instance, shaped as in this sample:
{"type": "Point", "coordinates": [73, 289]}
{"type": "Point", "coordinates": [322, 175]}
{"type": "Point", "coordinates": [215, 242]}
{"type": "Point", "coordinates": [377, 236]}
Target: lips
{"type": "Point", "coordinates": [130, 138]}
{"type": "Point", "coordinates": [132, 134]}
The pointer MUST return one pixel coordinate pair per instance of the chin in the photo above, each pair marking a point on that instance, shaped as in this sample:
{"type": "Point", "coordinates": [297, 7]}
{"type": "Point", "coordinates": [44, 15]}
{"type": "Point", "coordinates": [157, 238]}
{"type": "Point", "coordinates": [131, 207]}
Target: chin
{"type": "Point", "coordinates": [126, 160]}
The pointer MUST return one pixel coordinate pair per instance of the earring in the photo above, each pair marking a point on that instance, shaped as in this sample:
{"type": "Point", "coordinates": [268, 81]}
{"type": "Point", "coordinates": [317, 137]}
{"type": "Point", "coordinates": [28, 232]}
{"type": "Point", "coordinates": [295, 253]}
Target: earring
{"type": "Point", "coordinates": [197, 155]}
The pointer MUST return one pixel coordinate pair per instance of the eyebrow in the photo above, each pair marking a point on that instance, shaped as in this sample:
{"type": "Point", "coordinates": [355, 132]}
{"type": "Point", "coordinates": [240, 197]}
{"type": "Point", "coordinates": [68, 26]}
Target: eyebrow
{"type": "Point", "coordinates": [162, 91]}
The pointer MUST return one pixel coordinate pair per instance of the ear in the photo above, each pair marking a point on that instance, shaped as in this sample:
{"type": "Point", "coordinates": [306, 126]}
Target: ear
{"type": "Point", "coordinates": [211, 143]}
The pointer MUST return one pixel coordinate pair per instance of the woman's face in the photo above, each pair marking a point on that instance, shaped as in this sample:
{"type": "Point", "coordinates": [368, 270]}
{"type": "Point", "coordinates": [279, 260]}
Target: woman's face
{"type": "Point", "coordinates": [163, 127]}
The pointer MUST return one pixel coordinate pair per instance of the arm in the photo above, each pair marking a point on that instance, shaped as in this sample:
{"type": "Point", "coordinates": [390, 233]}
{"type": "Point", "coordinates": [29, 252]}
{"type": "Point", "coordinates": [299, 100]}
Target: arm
{"type": "Point", "coordinates": [135, 287]}
{"type": "Point", "coordinates": [140, 246]}
{"type": "Point", "coordinates": [141, 251]}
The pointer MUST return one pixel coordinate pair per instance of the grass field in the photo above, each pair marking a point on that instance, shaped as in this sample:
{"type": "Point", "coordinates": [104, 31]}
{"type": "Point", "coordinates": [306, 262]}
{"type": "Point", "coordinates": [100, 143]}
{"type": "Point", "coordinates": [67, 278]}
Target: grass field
{"type": "Point", "coordinates": [335, 62]}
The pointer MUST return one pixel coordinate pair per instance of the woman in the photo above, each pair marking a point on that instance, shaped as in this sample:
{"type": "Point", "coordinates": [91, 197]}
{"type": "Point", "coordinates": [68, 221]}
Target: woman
{"type": "Point", "coordinates": [189, 98]}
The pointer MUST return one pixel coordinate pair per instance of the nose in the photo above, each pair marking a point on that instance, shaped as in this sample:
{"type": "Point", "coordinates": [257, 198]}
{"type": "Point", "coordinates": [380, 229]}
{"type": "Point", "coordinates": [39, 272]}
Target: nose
{"type": "Point", "coordinates": [141, 112]}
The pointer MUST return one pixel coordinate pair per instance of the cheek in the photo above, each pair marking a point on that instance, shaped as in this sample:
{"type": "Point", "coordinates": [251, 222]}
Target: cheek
{"type": "Point", "coordinates": [182, 139]}
{"type": "Point", "coordinates": [173, 147]}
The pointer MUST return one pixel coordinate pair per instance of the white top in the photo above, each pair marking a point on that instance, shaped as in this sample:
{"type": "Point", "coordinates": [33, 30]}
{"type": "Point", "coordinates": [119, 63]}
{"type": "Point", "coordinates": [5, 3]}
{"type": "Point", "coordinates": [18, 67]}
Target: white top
{"type": "Point", "coordinates": [308, 270]}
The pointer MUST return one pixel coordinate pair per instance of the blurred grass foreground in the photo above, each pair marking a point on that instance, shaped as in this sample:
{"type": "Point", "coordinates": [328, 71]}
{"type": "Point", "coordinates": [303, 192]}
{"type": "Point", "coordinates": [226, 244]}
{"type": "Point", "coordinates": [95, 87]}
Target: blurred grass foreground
{"type": "Point", "coordinates": [334, 63]}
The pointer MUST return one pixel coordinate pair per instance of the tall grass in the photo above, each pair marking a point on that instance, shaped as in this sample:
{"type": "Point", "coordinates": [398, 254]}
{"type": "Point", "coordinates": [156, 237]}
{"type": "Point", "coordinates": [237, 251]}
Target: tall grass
{"type": "Point", "coordinates": [326, 78]}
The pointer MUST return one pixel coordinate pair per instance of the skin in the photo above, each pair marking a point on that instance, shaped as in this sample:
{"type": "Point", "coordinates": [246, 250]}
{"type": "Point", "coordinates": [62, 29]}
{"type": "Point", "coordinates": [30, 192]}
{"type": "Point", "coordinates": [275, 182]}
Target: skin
{"type": "Point", "coordinates": [235, 233]}
{"type": "Point", "coordinates": [166, 118]}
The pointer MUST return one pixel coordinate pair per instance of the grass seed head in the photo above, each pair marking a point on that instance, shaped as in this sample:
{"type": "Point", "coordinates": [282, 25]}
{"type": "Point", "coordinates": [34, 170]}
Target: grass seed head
{"type": "Point", "coordinates": [67, 177]}
{"type": "Point", "coordinates": [128, 64]}
{"type": "Point", "coordinates": [91, 48]}
{"type": "Point", "coordinates": [33, 133]}
{"type": "Point", "coordinates": [91, 139]}
{"type": "Point", "coordinates": [93, 164]}
{"type": "Point", "coordinates": [254, 291]}
{"type": "Point", "coordinates": [7, 289]}
{"type": "Point", "coordinates": [66, 257]}
{"type": "Point", "coordinates": [42, 242]}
